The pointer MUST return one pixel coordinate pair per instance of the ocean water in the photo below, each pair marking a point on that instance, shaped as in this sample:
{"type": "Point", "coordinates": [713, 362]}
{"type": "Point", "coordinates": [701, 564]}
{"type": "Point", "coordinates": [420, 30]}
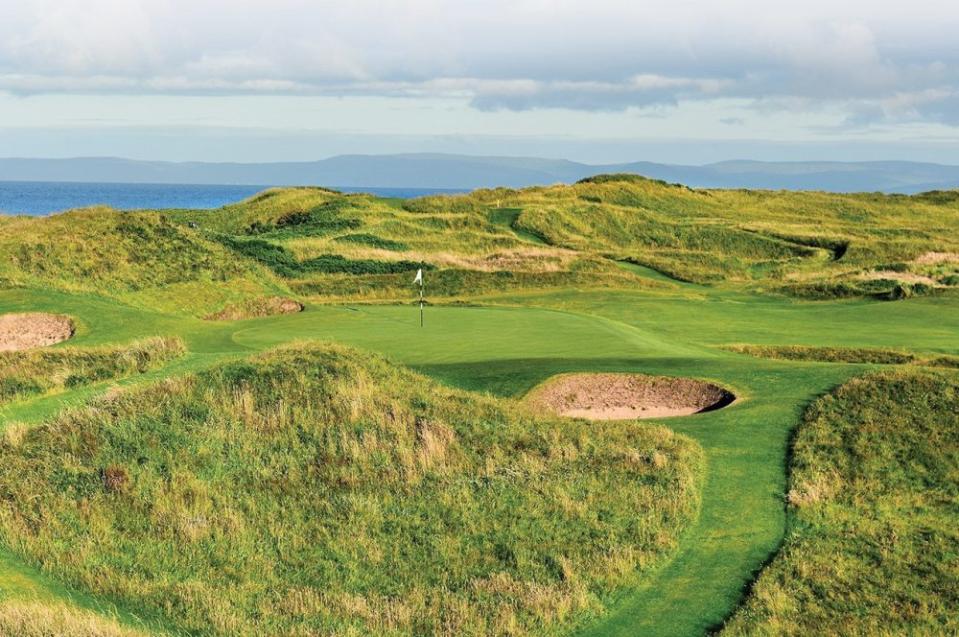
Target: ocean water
{"type": "Point", "coordinates": [39, 198]}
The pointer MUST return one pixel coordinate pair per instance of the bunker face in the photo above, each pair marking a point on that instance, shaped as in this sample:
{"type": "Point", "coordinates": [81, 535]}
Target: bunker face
{"type": "Point", "coordinates": [628, 396]}
{"type": "Point", "coordinates": [26, 331]}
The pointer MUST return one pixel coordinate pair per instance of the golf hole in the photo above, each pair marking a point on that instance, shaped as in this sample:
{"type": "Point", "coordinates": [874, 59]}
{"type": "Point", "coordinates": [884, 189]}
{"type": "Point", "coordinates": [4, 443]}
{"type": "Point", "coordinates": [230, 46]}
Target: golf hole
{"type": "Point", "coordinates": [627, 396]}
{"type": "Point", "coordinates": [33, 329]}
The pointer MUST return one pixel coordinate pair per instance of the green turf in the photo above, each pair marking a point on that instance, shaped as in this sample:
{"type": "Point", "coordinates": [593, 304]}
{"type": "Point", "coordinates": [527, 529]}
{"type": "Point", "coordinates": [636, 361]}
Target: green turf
{"type": "Point", "coordinates": [614, 274]}
{"type": "Point", "coordinates": [507, 350]}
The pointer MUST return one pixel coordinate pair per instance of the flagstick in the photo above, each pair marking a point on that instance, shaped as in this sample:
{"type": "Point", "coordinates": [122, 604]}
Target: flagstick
{"type": "Point", "coordinates": [419, 279]}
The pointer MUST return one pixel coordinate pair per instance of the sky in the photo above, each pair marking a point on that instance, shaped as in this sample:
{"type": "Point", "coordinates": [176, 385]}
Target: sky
{"type": "Point", "coordinates": [676, 81]}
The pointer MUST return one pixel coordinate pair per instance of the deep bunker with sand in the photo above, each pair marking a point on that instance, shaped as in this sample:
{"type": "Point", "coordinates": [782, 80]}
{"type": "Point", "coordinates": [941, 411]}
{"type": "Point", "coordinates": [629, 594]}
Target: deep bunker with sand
{"type": "Point", "coordinates": [33, 329]}
{"type": "Point", "coordinates": [628, 396]}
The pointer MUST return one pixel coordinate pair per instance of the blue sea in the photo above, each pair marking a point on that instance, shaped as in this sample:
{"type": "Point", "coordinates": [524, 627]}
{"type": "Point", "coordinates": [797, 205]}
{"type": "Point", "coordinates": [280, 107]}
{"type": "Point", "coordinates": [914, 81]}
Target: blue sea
{"type": "Point", "coordinates": [39, 198]}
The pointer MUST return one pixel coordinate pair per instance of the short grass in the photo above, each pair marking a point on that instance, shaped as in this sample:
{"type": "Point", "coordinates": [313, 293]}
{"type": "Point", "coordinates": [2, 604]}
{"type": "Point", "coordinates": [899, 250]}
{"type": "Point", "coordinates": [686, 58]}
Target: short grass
{"type": "Point", "coordinates": [873, 492]}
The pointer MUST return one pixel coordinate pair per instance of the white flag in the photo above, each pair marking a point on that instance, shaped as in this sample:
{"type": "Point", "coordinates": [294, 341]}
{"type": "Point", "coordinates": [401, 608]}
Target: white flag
{"type": "Point", "coordinates": [419, 277]}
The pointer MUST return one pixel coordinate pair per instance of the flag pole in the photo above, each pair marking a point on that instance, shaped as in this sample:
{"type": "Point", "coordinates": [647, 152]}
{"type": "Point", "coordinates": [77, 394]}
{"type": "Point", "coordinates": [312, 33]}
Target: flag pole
{"type": "Point", "coordinates": [419, 279]}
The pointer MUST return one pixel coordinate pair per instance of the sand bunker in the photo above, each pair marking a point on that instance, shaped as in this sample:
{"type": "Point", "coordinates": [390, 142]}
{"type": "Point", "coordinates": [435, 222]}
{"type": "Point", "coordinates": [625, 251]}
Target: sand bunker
{"type": "Point", "coordinates": [26, 331]}
{"type": "Point", "coordinates": [892, 275]}
{"type": "Point", "coordinates": [934, 258]}
{"type": "Point", "coordinates": [627, 396]}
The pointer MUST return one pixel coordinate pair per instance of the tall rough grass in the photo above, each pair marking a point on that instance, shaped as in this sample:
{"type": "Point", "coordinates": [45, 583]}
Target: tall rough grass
{"type": "Point", "coordinates": [38, 371]}
{"type": "Point", "coordinates": [865, 355]}
{"type": "Point", "coordinates": [812, 245]}
{"type": "Point", "coordinates": [144, 258]}
{"type": "Point", "coordinates": [872, 503]}
{"type": "Point", "coordinates": [39, 619]}
{"type": "Point", "coordinates": [318, 490]}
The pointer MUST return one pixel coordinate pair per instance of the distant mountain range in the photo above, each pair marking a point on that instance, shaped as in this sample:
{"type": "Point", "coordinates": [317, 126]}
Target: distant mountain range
{"type": "Point", "coordinates": [468, 172]}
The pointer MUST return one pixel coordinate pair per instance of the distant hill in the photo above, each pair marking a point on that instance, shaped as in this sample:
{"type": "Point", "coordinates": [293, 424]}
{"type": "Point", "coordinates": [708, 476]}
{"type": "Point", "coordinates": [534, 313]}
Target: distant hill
{"type": "Point", "coordinates": [467, 172]}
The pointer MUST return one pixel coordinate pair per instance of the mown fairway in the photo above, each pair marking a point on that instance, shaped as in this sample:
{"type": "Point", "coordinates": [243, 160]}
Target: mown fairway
{"type": "Point", "coordinates": [508, 348]}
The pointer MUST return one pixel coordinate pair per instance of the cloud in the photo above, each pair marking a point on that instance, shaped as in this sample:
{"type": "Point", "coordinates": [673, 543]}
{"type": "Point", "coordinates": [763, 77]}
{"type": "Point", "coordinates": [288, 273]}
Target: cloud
{"type": "Point", "coordinates": [937, 105]}
{"type": "Point", "coordinates": [877, 61]}
{"type": "Point", "coordinates": [638, 91]}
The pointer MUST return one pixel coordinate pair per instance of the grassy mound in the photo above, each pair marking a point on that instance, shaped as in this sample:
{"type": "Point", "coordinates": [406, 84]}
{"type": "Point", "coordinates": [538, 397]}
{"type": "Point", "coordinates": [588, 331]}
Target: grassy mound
{"type": "Point", "coordinates": [38, 371]}
{"type": "Point", "coordinates": [803, 243]}
{"type": "Point", "coordinates": [335, 247]}
{"type": "Point", "coordinates": [320, 490]}
{"type": "Point", "coordinates": [143, 258]}
{"type": "Point", "coordinates": [811, 245]}
{"type": "Point", "coordinates": [873, 503]}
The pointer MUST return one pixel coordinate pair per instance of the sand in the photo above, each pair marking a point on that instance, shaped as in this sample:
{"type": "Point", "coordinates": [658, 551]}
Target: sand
{"type": "Point", "coordinates": [627, 396]}
{"type": "Point", "coordinates": [29, 330]}
{"type": "Point", "coordinates": [891, 275]}
{"type": "Point", "coordinates": [934, 258]}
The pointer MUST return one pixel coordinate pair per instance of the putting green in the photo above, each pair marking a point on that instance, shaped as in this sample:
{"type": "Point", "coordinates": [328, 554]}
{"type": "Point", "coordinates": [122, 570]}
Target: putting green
{"type": "Point", "coordinates": [507, 350]}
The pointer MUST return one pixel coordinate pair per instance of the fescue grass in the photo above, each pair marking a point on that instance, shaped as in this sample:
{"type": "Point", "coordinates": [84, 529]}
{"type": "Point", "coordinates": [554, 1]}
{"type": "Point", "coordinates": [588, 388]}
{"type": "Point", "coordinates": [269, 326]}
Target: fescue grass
{"type": "Point", "coordinates": [827, 354]}
{"type": "Point", "coordinates": [811, 245]}
{"type": "Point", "coordinates": [450, 283]}
{"type": "Point", "coordinates": [40, 371]}
{"type": "Point", "coordinates": [373, 241]}
{"type": "Point", "coordinates": [142, 258]}
{"type": "Point", "coordinates": [256, 308]}
{"type": "Point", "coordinates": [873, 492]}
{"type": "Point", "coordinates": [39, 619]}
{"type": "Point", "coordinates": [798, 240]}
{"type": "Point", "coordinates": [863, 355]}
{"type": "Point", "coordinates": [281, 261]}
{"type": "Point", "coordinates": [392, 505]}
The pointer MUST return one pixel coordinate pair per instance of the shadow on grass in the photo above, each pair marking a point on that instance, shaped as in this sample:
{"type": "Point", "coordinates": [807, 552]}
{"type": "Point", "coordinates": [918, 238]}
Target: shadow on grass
{"type": "Point", "coordinates": [515, 377]}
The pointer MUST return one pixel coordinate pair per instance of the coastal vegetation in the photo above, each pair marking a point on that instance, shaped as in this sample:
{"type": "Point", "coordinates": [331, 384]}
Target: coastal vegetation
{"type": "Point", "coordinates": [872, 502]}
{"type": "Point", "coordinates": [41, 371]}
{"type": "Point", "coordinates": [298, 455]}
{"type": "Point", "coordinates": [321, 244]}
{"type": "Point", "coordinates": [393, 505]}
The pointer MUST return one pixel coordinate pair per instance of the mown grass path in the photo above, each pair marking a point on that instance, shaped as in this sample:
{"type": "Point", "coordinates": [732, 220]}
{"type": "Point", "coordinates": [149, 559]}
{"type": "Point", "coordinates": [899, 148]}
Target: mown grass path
{"type": "Point", "coordinates": [742, 518]}
{"type": "Point", "coordinates": [507, 350]}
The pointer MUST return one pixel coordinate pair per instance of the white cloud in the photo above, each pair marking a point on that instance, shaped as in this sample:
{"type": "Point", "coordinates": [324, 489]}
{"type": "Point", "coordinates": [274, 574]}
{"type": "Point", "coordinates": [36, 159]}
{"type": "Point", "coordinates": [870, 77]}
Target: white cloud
{"type": "Point", "coordinates": [598, 55]}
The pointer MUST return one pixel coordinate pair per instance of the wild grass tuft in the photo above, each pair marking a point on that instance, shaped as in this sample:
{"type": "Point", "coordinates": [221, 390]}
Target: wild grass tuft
{"type": "Point", "coordinates": [40, 619]}
{"type": "Point", "coordinates": [39, 371]}
{"type": "Point", "coordinates": [865, 355]}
